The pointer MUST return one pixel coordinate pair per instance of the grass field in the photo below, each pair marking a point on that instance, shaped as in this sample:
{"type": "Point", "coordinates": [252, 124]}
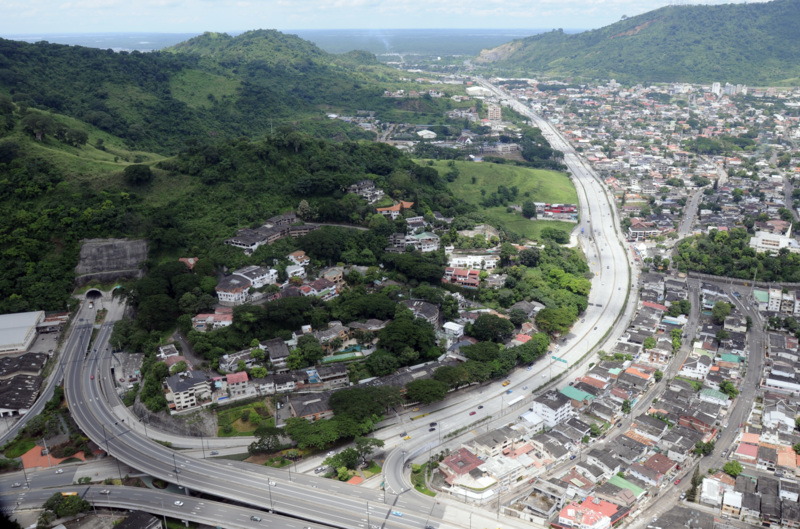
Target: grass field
{"type": "Point", "coordinates": [19, 448]}
{"type": "Point", "coordinates": [232, 417]}
{"type": "Point", "coordinates": [541, 186]}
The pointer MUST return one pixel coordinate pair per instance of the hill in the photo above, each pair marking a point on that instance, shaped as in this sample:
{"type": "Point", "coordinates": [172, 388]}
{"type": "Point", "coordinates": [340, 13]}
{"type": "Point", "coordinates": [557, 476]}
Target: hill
{"type": "Point", "coordinates": [755, 44]}
{"type": "Point", "coordinates": [208, 86]}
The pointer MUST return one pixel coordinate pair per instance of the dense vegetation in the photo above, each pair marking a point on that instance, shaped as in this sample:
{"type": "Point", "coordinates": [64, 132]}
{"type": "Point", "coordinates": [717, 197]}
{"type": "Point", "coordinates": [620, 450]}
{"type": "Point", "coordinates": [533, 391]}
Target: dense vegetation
{"type": "Point", "coordinates": [755, 43]}
{"type": "Point", "coordinates": [728, 254]}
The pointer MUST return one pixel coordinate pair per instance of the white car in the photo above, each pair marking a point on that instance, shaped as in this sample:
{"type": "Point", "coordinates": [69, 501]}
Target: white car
{"type": "Point", "coordinates": [60, 471]}
{"type": "Point", "coordinates": [273, 484]}
{"type": "Point", "coordinates": [179, 503]}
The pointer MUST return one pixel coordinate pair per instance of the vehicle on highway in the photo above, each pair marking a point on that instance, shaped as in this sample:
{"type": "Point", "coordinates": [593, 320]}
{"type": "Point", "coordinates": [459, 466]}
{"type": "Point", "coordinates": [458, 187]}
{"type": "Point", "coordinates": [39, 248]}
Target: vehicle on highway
{"type": "Point", "coordinates": [272, 484]}
{"type": "Point", "coordinates": [595, 328]}
{"type": "Point", "coordinates": [677, 481]}
{"type": "Point", "coordinates": [60, 471]}
{"type": "Point", "coordinates": [105, 492]}
{"type": "Point", "coordinates": [318, 470]}
{"type": "Point", "coordinates": [432, 424]}
{"type": "Point", "coordinates": [506, 383]}
{"type": "Point", "coordinates": [509, 391]}
{"type": "Point", "coordinates": [406, 438]}
{"type": "Point", "coordinates": [397, 513]}
{"type": "Point", "coordinates": [331, 453]}
{"type": "Point", "coordinates": [15, 485]}
{"type": "Point", "coordinates": [473, 412]}
{"type": "Point", "coordinates": [431, 429]}
{"type": "Point", "coordinates": [415, 409]}
{"type": "Point", "coordinates": [544, 376]}
{"type": "Point", "coordinates": [92, 377]}
{"type": "Point", "coordinates": [214, 452]}
{"type": "Point", "coordinates": [255, 518]}
{"type": "Point", "coordinates": [480, 407]}
{"type": "Point", "coordinates": [179, 503]}
{"type": "Point", "coordinates": [524, 387]}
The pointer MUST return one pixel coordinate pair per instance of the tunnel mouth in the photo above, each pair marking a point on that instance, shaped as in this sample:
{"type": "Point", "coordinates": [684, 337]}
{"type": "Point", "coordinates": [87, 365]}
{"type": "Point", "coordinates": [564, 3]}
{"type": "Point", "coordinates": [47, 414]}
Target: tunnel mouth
{"type": "Point", "coordinates": [93, 294]}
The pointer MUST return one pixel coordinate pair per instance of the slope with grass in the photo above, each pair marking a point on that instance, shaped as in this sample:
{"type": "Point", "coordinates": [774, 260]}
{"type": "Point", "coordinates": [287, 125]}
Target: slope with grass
{"type": "Point", "coordinates": [751, 43]}
{"type": "Point", "coordinates": [534, 184]}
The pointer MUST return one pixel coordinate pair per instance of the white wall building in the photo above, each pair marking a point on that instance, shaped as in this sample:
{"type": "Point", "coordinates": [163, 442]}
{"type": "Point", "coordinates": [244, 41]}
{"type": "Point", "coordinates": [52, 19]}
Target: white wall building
{"type": "Point", "coordinates": [553, 407]}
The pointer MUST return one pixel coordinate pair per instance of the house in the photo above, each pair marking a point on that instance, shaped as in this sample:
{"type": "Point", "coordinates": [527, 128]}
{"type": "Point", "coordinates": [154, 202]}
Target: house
{"type": "Point", "coordinates": [396, 210]}
{"type": "Point", "coordinates": [366, 189]}
{"type": "Point", "coordinates": [312, 407]}
{"type": "Point", "coordinates": [453, 330]}
{"type": "Point", "coordinates": [222, 317]}
{"type": "Point", "coordinates": [165, 351]}
{"type": "Point", "coordinates": [696, 367]}
{"type": "Point", "coordinates": [732, 503]}
{"type": "Point", "coordinates": [650, 427]}
{"type": "Point", "coordinates": [422, 309]}
{"type": "Point", "coordinates": [186, 390]}
{"type": "Point", "coordinates": [648, 475]}
{"type": "Point", "coordinates": [230, 362]}
{"type": "Point", "coordinates": [460, 463]}
{"type": "Point", "coordinates": [494, 442]}
{"type": "Point", "coordinates": [553, 407]}
{"type": "Point", "coordinates": [258, 276]}
{"type": "Point", "coordinates": [277, 352]}
{"type": "Point", "coordinates": [299, 258]}
{"type": "Point", "coordinates": [295, 271]}
{"type": "Point", "coordinates": [605, 460]}
{"type": "Point", "coordinates": [232, 290]}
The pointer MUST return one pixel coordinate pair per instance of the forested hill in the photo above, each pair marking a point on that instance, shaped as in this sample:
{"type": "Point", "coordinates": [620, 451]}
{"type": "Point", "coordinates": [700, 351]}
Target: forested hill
{"type": "Point", "coordinates": [242, 86]}
{"type": "Point", "coordinates": [755, 44]}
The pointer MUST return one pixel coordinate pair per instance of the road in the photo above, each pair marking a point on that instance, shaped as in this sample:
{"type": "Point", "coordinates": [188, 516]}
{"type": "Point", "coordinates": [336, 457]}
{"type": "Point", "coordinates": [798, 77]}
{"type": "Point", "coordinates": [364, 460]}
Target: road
{"type": "Point", "coordinates": [161, 503]}
{"type": "Point", "coordinates": [689, 214]}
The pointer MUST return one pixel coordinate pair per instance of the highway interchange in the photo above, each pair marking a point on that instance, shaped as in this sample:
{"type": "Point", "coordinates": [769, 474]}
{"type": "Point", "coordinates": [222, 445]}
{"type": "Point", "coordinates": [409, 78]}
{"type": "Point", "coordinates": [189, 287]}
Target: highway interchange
{"type": "Point", "coordinates": [93, 401]}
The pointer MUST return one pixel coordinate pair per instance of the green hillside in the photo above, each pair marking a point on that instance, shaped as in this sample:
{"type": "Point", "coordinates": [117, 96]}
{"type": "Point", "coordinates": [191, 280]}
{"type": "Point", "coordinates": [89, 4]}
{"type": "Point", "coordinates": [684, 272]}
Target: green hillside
{"type": "Point", "coordinates": [755, 44]}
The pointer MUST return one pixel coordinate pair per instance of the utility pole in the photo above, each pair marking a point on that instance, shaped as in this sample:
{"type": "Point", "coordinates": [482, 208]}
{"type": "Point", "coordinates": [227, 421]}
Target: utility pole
{"type": "Point", "coordinates": [49, 462]}
{"type": "Point", "coordinates": [201, 445]}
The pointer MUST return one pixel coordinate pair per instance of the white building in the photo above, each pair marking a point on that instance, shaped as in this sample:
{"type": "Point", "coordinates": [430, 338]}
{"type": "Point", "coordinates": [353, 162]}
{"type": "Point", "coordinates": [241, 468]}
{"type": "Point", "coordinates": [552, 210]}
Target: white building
{"type": "Point", "coordinates": [773, 242]}
{"type": "Point", "coordinates": [454, 330]}
{"type": "Point", "coordinates": [18, 331]}
{"type": "Point", "coordinates": [696, 367]}
{"type": "Point", "coordinates": [495, 113]}
{"type": "Point", "coordinates": [258, 276]}
{"type": "Point", "coordinates": [775, 298]}
{"type": "Point", "coordinates": [481, 262]}
{"type": "Point", "coordinates": [553, 407]}
{"type": "Point", "coordinates": [426, 134]}
{"type": "Point", "coordinates": [232, 290]}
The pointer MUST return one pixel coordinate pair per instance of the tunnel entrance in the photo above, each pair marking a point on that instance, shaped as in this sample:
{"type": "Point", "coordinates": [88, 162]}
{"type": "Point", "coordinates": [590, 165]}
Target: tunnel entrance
{"type": "Point", "coordinates": [93, 294]}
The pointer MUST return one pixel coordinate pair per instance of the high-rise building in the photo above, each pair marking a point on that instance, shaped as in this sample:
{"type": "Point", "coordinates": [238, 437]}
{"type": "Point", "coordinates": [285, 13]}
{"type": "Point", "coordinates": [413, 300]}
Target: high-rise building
{"type": "Point", "coordinates": [716, 89]}
{"type": "Point", "coordinates": [495, 114]}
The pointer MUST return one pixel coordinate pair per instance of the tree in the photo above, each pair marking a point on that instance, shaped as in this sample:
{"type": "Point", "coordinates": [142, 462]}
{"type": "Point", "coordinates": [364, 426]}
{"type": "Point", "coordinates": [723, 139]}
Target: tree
{"type": "Point", "coordinates": [529, 209]}
{"type": "Point", "coordinates": [554, 320]}
{"type": "Point", "coordinates": [38, 124]}
{"type": "Point", "coordinates": [720, 311]}
{"type": "Point", "coordinates": [556, 235]}
{"type": "Point", "coordinates": [491, 328]}
{"type": "Point", "coordinates": [363, 403]}
{"type": "Point", "coordinates": [626, 406]}
{"type": "Point", "coordinates": [533, 348]}
{"type": "Point", "coordinates": [649, 343]}
{"type": "Point", "coordinates": [727, 387]}
{"type": "Point", "coordinates": [703, 449]}
{"type": "Point", "coordinates": [696, 481]}
{"type": "Point", "coordinates": [268, 438]}
{"type": "Point", "coordinates": [733, 468]}
{"type": "Point", "coordinates": [179, 367]}
{"type": "Point", "coordinates": [507, 251]}
{"type": "Point", "coordinates": [517, 317]}
{"type": "Point", "coordinates": [77, 137]}
{"type": "Point", "coordinates": [259, 372]}
{"type": "Point", "coordinates": [796, 448]}
{"type": "Point", "coordinates": [342, 474]}
{"type": "Point", "coordinates": [347, 458]}
{"type": "Point", "coordinates": [365, 446]}
{"type": "Point", "coordinates": [65, 506]}
{"type": "Point", "coordinates": [138, 174]}
{"type": "Point", "coordinates": [658, 375]}
{"type": "Point", "coordinates": [426, 391]}
{"type": "Point", "coordinates": [595, 431]}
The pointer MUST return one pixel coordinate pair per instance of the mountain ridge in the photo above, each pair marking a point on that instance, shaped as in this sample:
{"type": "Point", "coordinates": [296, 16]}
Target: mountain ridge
{"type": "Point", "coordinates": [738, 43]}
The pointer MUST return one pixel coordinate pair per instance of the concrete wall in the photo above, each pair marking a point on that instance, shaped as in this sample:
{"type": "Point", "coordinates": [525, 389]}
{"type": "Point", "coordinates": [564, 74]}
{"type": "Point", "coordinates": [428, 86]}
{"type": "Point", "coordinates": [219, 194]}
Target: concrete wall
{"type": "Point", "coordinates": [110, 259]}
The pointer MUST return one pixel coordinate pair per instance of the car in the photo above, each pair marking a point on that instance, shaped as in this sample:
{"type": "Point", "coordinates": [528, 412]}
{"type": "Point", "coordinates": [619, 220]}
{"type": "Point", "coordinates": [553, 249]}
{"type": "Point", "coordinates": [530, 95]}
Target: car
{"type": "Point", "coordinates": [15, 485]}
{"type": "Point", "coordinates": [92, 377]}
{"type": "Point", "coordinates": [272, 484]}
{"type": "Point", "coordinates": [255, 518]}
{"type": "Point", "coordinates": [406, 438]}
{"type": "Point", "coordinates": [583, 320]}
{"type": "Point", "coordinates": [473, 412]}
{"type": "Point", "coordinates": [318, 470]}
{"type": "Point", "coordinates": [432, 424]}
{"type": "Point", "coordinates": [571, 383]}
{"type": "Point", "coordinates": [214, 452]}
{"type": "Point", "coordinates": [741, 425]}
{"type": "Point", "coordinates": [105, 492]}
{"type": "Point", "coordinates": [60, 471]}
{"type": "Point", "coordinates": [571, 457]}
{"type": "Point", "coordinates": [397, 513]}
{"type": "Point", "coordinates": [619, 425]}
{"type": "Point", "coordinates": [480, 407]}
{"type": "Point", "coordinates": [509, 391]}
{"type": "Point", "coordinates": [524, 387]}
{"type": "Point", "coordinates": [595, 328]}
{"type": "Point", "coordinates": [331, 453]}
{"type": "Point", "coordinates": [179, 503]}
{"type": "Point", "coordinates": [608, 268]}
{"type": "Point", "coordinates": [530, 367]}
{"type": "Point", "coordinates": [544, 376]}
{"type": "Point", "coordinates": [415, 409]}
{"type": "Point", "coordinates": [724, 452]}
{"type": "Point", "coordinates": [431, 429]}
{"type": "Point", "coordinates": [677, 481]}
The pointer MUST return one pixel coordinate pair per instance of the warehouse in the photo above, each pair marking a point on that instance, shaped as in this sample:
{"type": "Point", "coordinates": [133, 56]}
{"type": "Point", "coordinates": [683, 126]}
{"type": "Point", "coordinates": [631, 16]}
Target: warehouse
{"type": "Point", "coordinates": [18, 331]}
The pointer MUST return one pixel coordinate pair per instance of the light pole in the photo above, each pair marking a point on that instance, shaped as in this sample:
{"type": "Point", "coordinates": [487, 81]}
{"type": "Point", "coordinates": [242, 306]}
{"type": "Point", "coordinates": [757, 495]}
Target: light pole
{"type": "Point", "coordinates": [49, 462]}
{"type": "Point", "coordinates": [269, 484]}
{"type": "Point", "coordinates": [27, 483]}
{"type": "Point", "coordinates": [368, 522]}
{"type": "Point", "coordinates": [201, 445]}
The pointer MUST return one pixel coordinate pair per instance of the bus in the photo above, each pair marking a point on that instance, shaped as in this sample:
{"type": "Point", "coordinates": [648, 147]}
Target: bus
{"type": "Point", "coordinates": [514, 401]}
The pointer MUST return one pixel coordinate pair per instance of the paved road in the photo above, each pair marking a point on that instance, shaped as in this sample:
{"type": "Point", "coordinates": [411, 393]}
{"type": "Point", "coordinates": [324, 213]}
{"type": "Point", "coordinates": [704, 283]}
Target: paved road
{"type": "Point", "coordinates": [690, 214]}
{"type": "Point", "coordinates": [160, 503]}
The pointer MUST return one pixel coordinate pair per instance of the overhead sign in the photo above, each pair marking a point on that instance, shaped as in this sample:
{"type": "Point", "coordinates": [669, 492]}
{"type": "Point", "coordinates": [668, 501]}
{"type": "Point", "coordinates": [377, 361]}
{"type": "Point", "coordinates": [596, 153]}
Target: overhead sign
{"type": "Point", "coordinates": [558, 359]}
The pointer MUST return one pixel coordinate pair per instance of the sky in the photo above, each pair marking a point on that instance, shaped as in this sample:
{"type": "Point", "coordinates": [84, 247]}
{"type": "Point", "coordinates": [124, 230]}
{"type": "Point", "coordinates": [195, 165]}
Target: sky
{"type": "Point", "coordinates": [26, 17]}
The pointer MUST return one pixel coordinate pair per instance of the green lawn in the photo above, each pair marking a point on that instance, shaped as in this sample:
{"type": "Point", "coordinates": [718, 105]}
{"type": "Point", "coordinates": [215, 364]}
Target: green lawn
{"type": "Point", "coordinates": [19, 448]}
{"type": "Point", "coordinates": [372, 469]}
{"type": "Point", "coordinates": [542, 186]}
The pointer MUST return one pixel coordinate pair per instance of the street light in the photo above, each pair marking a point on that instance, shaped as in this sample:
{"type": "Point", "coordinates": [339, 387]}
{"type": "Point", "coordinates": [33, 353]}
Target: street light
{"type": "Point", "coordinates": [177, 472]}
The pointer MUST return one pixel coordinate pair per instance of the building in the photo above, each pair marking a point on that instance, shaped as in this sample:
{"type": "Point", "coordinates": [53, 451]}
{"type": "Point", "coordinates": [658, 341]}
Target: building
{"type": "Point", "coordinates": [495, 442]}
{"type": "Point", "coordinates": [237, 383]}
{"type": "Point", "coordinates": [553, 407]}
{"type": "Point", "coordinates": [18, 331]}
{"type": "Point", "coordinates": [222, 317]}
{"type": "Point", "coordinates": [366, 189]}
{"type": "Point", "coordinates": [312, 407]}
{"type": "Point", "coordinates": [396, 210]}
{"type": "Point", "coordinates": [233, 290]}
{"type": "Point", "coordinates": [495, 114]}
{"type": "Point", "coordinates": [770, 242]}
{"type": "Point", "coordinates": [258, 276]}
{"type": "Point", "coordinates": [274, 229]}
{"type": "Point", "coordinates": [422, 309]}
{"type": "Point", "coordinates": [186, 390]}
{"type": "Point", "coordinates": [277, 352]}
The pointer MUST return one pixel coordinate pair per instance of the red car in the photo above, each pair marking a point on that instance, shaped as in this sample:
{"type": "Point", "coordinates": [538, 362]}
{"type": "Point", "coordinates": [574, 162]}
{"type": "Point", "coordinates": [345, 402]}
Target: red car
{"type": "Point", "coordinates": [677, 482]}
{"type": "Point", "coordinates": [92, 377]}
{"type": "Point", "coordinates": [473, 412]}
